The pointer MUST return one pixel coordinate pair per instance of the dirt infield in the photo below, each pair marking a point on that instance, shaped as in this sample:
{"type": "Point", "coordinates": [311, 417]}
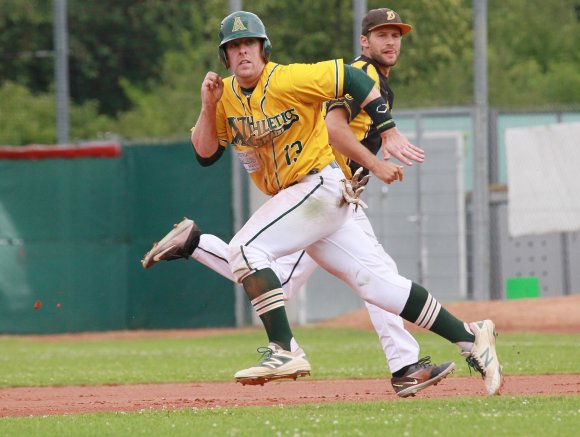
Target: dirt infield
{"type": "Point", "coordinates": [535, 315]}
{"type": "Point", "coordinates": [27, 401]}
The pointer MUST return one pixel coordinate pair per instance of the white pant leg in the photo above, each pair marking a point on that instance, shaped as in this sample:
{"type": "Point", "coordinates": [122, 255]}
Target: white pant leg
{"type": "Point", "coordinates": [309, 215]}
{"type": "Point", "coordinates": [288, 222]}
{"type": "Point", "coordinates": [293, 270]}
{"type": "Point", "coordinates": [400, 347]}
{"type": "Point", "coordinates": [349, 255]}
{"type": "Point", "coordinates": [300, 216]}
{"type": "Point", "coordinates": [212, 252]}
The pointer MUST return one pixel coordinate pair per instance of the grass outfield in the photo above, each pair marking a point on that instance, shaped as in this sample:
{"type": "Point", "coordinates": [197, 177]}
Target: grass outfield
{"type": "Point", "coordinates": [471, 416]}
{"type": "Point", "coordinates": [333, 353]}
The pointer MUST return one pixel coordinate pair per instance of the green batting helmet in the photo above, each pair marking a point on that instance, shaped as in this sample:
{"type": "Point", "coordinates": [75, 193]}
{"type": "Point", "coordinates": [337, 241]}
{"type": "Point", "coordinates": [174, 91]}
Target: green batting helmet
{"type": "Point", "coordinates": [242, 24]}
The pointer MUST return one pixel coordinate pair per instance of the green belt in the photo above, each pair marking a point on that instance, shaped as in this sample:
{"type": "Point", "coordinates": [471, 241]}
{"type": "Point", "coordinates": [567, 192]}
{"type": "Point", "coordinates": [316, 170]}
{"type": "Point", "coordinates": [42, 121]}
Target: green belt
{"type": "Point", "coordinates": [333, 164]}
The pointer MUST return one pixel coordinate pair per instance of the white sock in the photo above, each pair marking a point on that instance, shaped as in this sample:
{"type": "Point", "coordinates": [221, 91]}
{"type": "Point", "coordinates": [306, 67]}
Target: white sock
{"type": "Point", "coordinates": [293, 345]}
{"type": "Point", "coordinates": [466, 346]}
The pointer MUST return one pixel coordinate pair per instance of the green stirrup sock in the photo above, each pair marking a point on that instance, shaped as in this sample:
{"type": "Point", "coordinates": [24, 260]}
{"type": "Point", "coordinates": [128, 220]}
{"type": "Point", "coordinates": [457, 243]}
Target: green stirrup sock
{"type": "Point", "coordinates": [423, 310]}
{"type": "Point", "coordinates": [265, 292]}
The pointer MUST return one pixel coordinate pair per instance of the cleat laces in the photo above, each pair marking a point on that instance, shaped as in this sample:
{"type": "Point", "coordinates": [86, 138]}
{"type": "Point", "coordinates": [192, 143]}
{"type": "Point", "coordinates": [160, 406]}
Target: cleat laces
{"type": "Point", "coordinates": [423, 362]}
{"type": "Point", "coordinates": [475, 364]}
{"type": "Point", "coordinates": [266, 354]}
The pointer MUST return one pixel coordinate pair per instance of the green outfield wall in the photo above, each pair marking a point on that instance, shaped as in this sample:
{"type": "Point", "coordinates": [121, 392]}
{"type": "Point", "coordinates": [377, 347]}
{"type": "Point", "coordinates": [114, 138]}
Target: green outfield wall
{"type": "Point", "coordinates": [76, 221]}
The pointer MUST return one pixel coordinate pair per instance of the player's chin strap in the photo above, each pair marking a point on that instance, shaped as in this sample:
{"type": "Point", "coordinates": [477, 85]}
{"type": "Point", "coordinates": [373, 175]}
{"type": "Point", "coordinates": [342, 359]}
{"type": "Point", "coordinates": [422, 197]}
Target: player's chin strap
{"type": "Point", "coordinates": [351, 190]}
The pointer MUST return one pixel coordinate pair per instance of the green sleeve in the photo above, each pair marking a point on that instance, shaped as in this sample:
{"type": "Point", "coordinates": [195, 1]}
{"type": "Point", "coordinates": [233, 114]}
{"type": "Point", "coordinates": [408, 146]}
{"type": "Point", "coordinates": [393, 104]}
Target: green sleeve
{"type": "Point", "coordinates": [357, 83]}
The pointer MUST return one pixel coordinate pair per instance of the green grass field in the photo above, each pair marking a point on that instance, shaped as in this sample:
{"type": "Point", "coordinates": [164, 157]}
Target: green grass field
{"type": "Point", "coordinates": [333, 353]}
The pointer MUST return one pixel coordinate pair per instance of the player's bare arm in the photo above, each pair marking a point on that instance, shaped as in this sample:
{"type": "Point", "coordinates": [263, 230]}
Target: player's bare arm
{"type": "Point", "coordinates": [344, 141]}
{"type": "Point", "coordinates": [385, 170]}
{"type": "Point", "coordinates": [377, 109]}
{"type": "Point", "coordinates": [204, 135]}
{"type": "Point", "coordinates": [396, 144]}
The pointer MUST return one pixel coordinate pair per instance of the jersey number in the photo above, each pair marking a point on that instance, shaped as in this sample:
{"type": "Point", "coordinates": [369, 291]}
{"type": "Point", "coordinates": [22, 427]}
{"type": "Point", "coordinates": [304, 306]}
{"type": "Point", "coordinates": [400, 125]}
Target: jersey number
{"type": "Point", "coordinates": [292, 151]}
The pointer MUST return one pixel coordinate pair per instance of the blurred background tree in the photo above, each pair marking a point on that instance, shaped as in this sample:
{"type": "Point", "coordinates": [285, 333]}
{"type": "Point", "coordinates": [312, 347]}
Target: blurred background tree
{"type": "Point", "coordinates": [136, 65]}
{"type": "Point", "coordinates": [534, 60]}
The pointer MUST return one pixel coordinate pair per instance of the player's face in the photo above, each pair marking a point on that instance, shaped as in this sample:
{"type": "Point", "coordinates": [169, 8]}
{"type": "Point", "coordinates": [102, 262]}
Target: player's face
{"type": "Point", "coordinates": [246, 61]}
{"type": "Point", "coordinates": [383, 45]}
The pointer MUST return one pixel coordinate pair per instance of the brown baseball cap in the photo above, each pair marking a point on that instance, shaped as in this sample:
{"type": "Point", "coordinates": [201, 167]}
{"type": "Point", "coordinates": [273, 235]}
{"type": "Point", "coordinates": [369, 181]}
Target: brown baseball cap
{"type": "Point", "coordinates": [383, 17]}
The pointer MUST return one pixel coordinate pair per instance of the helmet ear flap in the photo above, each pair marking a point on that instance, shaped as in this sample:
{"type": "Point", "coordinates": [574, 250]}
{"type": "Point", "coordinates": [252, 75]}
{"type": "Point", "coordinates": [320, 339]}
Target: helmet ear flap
{"type": "Point", "coordinates": [266, 49]}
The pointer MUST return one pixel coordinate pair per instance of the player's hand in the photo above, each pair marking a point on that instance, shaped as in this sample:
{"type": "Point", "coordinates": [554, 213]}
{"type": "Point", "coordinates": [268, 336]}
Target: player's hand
{"type": "Point", "coordinates": [212, 89]}
{"type": "Point", "coordinates": [396, 144]}
{"type": "Point", "coordinates": [388, 172]}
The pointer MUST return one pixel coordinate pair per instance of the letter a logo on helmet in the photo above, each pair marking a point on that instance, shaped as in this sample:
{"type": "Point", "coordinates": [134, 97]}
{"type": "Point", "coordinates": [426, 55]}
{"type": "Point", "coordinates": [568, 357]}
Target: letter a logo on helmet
{"type": "Point", "coordinates": [238, 25]}
{"type": "Point", "coordinates": [242, 24]}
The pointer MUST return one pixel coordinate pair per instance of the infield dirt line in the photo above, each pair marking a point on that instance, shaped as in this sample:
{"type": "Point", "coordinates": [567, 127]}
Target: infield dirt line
{"type": "Point", "coordinates": [40, 401]}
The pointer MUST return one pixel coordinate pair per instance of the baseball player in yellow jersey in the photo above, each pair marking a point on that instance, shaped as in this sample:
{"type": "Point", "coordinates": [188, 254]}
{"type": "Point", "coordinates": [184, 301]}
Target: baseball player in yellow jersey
{"type": "Point", "coordinates": [280, 129]}
{"type": "Point", "coordinates": [410, 375]}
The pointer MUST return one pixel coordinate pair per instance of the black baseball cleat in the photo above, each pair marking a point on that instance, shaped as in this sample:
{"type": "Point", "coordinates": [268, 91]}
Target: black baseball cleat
{"type": "Point", "coordinates": [419, 376]}
{"type": "Point", "coordinates": [180, 242]}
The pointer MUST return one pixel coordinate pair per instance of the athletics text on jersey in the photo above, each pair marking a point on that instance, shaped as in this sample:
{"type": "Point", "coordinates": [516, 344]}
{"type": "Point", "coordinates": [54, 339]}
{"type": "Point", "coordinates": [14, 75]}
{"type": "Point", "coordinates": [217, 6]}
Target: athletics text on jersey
{"type": "Point", "coordinates": [278, 130]}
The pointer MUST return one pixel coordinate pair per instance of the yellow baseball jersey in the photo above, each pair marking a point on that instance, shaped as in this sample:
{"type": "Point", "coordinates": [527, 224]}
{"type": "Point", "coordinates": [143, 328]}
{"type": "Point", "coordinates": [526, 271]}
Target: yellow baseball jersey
{"type": "Point", "coordinates": [359, 121]}
{"type": "Point", "coordinates": [278, 131]}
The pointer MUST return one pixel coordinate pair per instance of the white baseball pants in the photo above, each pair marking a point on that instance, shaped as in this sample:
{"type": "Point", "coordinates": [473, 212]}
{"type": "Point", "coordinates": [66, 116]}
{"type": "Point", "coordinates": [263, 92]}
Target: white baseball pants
{"type": "Point", "coordinates": [294, 269]}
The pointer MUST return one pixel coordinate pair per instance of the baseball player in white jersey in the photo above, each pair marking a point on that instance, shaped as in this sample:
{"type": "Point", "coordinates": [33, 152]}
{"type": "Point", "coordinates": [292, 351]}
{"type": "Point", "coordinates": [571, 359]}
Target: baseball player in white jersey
{"type": "Point", "coordinates": [270, 114]}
